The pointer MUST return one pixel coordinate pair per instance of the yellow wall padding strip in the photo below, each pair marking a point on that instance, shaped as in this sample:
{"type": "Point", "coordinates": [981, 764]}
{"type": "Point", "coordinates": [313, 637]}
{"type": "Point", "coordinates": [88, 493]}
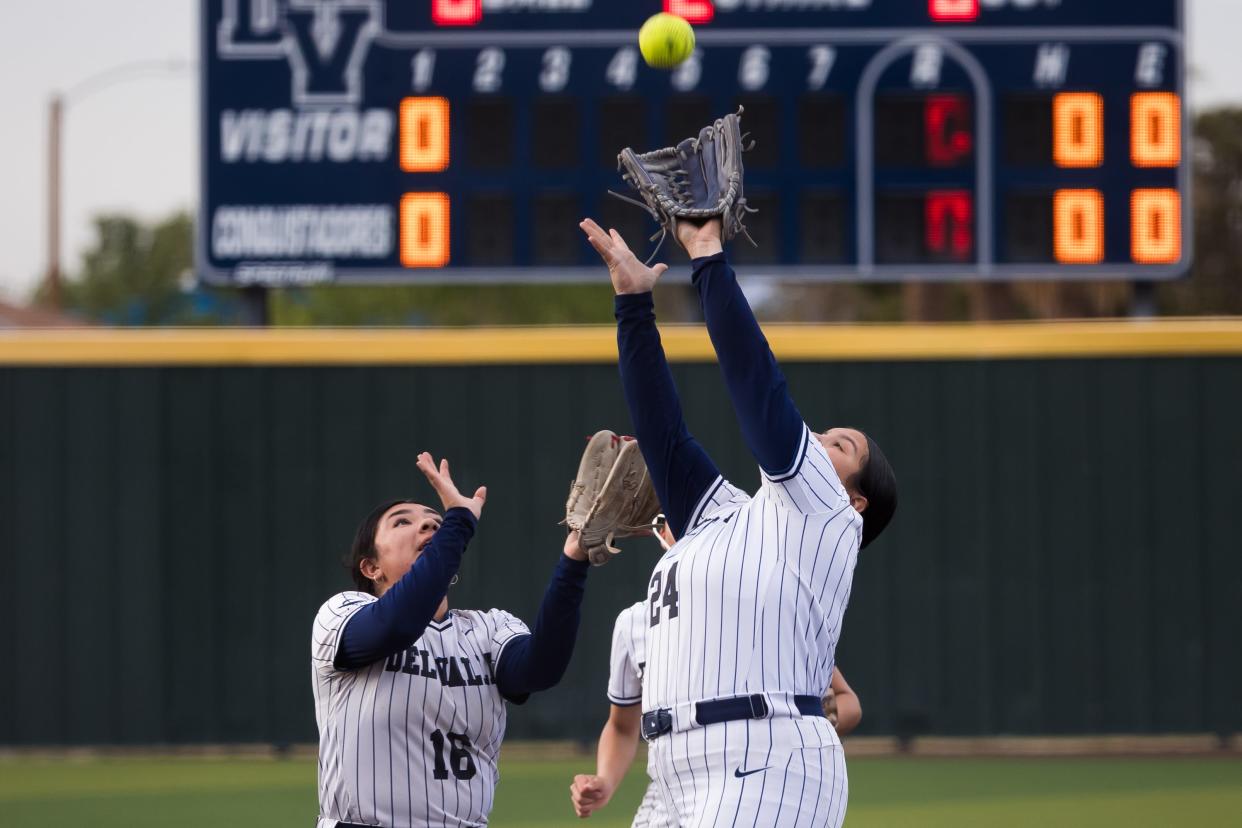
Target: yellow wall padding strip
{"type": "Point", "coordinates": [597, 344]}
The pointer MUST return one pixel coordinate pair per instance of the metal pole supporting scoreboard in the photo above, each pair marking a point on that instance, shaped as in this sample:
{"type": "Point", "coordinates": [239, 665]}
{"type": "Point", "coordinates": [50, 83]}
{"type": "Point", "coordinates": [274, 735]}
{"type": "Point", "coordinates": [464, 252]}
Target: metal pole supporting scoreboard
{"type": "Point", "coordinates": [455, 141]}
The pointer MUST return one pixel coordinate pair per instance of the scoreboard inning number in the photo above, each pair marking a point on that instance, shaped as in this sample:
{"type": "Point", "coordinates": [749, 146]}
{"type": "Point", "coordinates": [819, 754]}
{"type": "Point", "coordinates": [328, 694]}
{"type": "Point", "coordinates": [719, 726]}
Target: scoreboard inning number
{"type": "Point", "coordinates": [460, 140]}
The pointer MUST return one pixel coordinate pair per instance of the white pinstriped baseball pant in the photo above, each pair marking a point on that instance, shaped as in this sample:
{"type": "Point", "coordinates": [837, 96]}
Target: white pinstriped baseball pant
{"type": "Point", "coordinates": [787, 772]}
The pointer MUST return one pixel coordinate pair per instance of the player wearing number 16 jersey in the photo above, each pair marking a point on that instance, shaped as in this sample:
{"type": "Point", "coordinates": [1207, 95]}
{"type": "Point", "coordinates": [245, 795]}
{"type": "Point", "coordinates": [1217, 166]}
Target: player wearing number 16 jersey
{"type": "Point", "coordinates": [409, 695]}
{"type": "Point", "coordinates": [745, 610]}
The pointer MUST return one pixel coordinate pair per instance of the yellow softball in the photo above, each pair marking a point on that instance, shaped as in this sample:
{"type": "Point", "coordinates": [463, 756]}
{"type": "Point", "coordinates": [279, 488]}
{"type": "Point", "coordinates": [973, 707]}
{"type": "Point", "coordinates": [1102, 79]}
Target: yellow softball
{"type": "Point", "coordinates": [665, 40]}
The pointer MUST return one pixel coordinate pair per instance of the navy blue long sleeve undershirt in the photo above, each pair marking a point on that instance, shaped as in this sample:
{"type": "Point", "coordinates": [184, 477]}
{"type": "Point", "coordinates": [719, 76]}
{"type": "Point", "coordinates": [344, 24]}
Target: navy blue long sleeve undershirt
{"type": "Point", "coordinates": [398, 618]}
{"type": "Point", "coordinates": [538, 661]}
{"type": "Point", "coordinates": [680, 469]}
{"type": "Point", "coordinates": [770, 422]}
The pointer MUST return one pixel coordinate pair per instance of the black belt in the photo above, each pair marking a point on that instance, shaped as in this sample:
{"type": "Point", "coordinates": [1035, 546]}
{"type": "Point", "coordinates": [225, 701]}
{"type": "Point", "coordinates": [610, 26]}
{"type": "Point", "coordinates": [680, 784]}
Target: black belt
{"type": "Point", "coordinates": [658, 722]}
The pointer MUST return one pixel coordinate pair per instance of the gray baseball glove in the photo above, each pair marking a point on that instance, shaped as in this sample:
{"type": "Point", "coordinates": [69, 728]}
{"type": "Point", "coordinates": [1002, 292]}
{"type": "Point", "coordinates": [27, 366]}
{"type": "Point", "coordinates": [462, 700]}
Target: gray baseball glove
{"type": "Point", "coordinates": [699, 179]}
{"type": "Point", "coordinates": [612, 496]}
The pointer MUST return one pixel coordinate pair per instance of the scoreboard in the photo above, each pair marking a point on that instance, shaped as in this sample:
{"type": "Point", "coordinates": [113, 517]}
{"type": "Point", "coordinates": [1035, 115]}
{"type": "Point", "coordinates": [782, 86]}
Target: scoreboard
{"type": "Point", "coordinates": [444, 141]}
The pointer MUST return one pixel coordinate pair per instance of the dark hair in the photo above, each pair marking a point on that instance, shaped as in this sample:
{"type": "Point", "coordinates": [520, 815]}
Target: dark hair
{"type": "Point", "coordinates": [878, 484]}
{"type": "Point", "coordinates": [364, 545]}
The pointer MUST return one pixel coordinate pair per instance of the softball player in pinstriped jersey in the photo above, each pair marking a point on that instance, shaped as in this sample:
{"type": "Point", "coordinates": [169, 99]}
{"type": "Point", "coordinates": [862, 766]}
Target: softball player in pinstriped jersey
{"type": "Point", "coordinates": [618, 740]}
{"type": "Point", "coordinates": [410, 696]}
{"type": "Point", "coordinates": [745, 610]}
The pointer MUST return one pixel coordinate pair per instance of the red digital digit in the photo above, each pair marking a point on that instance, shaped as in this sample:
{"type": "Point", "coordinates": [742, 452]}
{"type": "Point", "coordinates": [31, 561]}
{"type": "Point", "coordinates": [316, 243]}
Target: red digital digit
{"type": "Point", "coordinates": [694, 11]}
{"type": "Point", "coordinates": [948, 223]}
{"type": "Point", "coordinates": [953, 11]}
{"type": "Point", "coordinates": [946, 130]}
{"type": "Point", "coordinates": [456, 12]}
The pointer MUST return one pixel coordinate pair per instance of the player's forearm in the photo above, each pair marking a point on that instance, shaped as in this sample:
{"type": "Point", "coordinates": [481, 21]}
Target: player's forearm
{"type": "Point", "coordinates": [770, 422]}
{"type": "Point", "coordinates": [401, 614]}
{"type": "Point", "coordinates": [680, 470]}
{"type": "Point", "coordinates": [849, 713]}
{"type": "Point", "coordinates": [615, 754]}
{"type": "Point", "coordinates": [538, 661]}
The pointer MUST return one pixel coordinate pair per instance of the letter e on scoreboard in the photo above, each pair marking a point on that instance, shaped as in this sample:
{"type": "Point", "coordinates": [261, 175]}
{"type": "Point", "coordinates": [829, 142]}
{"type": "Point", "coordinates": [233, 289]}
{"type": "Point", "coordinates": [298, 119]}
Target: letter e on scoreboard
{"type": "Point", "coordinates": [424, 231]}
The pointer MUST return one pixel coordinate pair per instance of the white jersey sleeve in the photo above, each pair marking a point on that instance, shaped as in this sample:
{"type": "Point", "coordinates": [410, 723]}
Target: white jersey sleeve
{"type": "Point", "coordinates": [506, 627]}
{"type": "Point", "coordinates": [330, 623]}
{"type": "Point", "coordinates": [811, 486]}
{"type": "Point", "coordinates": [625, 671]}
{"type": "Point", "coordinates": [721, 498]}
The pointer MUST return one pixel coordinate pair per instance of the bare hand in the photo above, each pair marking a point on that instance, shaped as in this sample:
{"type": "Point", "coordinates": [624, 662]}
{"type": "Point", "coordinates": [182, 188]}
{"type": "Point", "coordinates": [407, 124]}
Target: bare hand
{"type": "Point", "coordinates": [442, 482]}
{"type": "Point", "coordinates": [700, 238]}
{"type": "Point", "coordinates": [573, 546]}
{"type": "Point", "coordinates": [628, 274]}
{"type": "Point", "coordinates": [589, 793]}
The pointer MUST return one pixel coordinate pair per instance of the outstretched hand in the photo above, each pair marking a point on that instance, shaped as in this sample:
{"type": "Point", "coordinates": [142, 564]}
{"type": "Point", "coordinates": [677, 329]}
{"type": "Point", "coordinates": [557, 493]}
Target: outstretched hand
{"type": "Point", "coordinates": [589, 793]}
{"type": "Point", "coordinates": [442, 482]}
{"type": "Point", "coordinates": [628, 274]}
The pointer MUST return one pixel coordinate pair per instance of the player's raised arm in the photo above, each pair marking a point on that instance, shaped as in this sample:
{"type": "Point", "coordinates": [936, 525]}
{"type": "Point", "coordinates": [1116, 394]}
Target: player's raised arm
{"type": "Point", "coordinates": [407, 603]}
{"type": "Point", "coordinates": [680, 469]}
{"type": "Point", "coordinates": [771, 424]}
{"type": "Point", "coordinates": [538, 661]}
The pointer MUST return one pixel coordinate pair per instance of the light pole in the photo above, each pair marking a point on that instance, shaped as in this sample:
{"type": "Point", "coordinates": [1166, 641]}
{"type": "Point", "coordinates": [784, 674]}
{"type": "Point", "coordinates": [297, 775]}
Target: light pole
{"type": "Point", "coordinates": [55, 106]}
{"type": "Point", "coordinates": [134, 70]}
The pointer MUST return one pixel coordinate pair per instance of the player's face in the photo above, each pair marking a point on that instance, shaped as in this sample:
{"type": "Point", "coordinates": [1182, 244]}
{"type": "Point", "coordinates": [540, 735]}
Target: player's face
{"type": "Point", "coordinates": [402, 535]}
{"type": "Point", "coordinates": [847, 449]}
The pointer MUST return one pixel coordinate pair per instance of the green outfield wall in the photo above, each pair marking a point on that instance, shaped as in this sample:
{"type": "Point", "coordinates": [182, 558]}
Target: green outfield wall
{"type": "Point", "coordinates": [1066, 558]}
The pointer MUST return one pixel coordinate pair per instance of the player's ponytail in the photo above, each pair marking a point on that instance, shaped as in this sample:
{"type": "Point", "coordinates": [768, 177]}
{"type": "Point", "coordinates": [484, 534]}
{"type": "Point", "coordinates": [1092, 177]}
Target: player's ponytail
{"type": "Point", "coordinates": [364, 545]}
{"type": "Point", "coordinates": [878, 484]}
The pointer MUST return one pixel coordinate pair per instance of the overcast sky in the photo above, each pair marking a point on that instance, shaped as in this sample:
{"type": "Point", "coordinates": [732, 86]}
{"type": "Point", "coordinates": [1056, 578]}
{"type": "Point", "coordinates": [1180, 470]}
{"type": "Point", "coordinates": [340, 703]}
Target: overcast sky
{"type": "Point", "coordinates": [132, 146]}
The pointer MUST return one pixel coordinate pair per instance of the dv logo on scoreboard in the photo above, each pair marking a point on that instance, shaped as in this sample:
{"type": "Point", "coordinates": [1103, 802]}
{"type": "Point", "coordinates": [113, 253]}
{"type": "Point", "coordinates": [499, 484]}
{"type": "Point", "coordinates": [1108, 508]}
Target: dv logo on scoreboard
{"type": "Point", "coordinates": [324, 41]}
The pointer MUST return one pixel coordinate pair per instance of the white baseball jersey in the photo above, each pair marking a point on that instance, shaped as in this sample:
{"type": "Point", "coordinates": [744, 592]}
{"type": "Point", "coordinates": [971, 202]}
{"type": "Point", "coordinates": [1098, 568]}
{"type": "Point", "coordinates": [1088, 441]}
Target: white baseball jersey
{"type": "Point", "coordinates": [751, 600]}
{"type": "Point", "coordinates": [625, 688]}
{"type": "Point", "coordinates": [411, 740]}
{"type": "Point", "coordinates": [629, 656]}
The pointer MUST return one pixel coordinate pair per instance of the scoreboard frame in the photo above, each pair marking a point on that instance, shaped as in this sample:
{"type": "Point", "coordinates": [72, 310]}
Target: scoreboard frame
{"type": "Point", "coordinates": [896, 43]}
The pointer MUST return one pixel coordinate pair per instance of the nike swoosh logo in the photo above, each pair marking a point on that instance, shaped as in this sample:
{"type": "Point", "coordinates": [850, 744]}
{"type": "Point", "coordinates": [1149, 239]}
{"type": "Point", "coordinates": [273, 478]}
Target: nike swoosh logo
{"type": "Point", "coordinates": [739, 773]}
